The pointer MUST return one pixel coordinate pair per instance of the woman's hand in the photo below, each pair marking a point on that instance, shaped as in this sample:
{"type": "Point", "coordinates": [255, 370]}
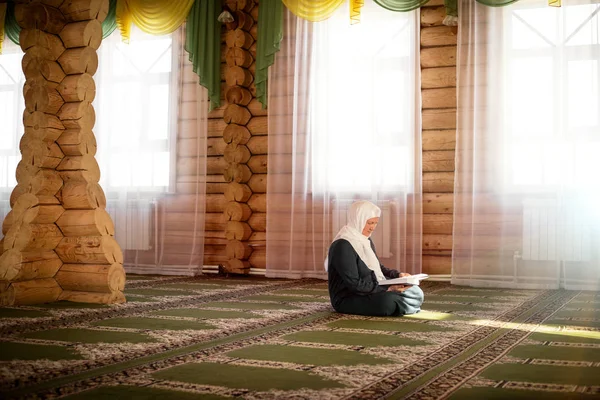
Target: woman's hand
{"type": "Point", "coordinates": [402, 274]}
{"type": "Point", "coordinates": [399, 288]}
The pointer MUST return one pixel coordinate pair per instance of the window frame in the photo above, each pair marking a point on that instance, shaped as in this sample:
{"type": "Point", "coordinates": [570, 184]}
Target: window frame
{"type": "Point", "coordinates": [561, 55]}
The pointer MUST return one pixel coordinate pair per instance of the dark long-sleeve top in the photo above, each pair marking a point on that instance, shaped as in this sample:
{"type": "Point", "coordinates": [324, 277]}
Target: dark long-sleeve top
{"type": "Point", "coordinates": [349, 275]}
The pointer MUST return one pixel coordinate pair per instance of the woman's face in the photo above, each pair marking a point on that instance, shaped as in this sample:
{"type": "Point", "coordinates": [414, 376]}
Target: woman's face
{"type": "Point", "coordinates": [370, 226]}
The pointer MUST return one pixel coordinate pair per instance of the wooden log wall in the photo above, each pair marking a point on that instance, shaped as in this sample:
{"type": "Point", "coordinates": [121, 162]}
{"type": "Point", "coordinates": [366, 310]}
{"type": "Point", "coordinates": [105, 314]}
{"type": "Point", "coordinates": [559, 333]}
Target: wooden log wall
{"type": "Point", "coordinates": [228, 144]}
{"type": "Point", "coordinates": [58, 238]}
{"type": "Point", "coordinates": [438, 92]}
{"type": "Point", "coordinates": [244, 136]}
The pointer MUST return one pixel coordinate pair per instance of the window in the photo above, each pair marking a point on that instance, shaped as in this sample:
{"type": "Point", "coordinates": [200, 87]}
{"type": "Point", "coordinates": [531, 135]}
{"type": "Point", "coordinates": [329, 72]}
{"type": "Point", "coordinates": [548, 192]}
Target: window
{"type": "Point", "coordinates": [135, 105]}
{"type": "Point", "coordinates": [136, 101]}
{"type": "Point", "coordinates": [363, 102]}
{"type": "Point", "coordinates": [12, 105]}
{"type": "Point", "coordinates": [552, 108]}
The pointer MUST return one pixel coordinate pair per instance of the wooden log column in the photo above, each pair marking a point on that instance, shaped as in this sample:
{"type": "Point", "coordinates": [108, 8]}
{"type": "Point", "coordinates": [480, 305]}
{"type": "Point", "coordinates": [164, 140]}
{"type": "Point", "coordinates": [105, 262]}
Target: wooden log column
{"type": "Point", "coordinates": [243, 164]}
{"type": "Point", "coordinates": [438, 93]}
{"type": "Point", "coordinates": [58, 236]}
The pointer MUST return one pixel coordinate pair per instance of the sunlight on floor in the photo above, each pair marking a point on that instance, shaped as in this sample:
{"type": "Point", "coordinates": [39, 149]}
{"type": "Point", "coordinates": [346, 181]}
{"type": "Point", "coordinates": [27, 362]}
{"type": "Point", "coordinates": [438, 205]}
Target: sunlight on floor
{"type": "Point", "coordinates": [555, 330]}
{"type": "Point", "coordinates": [430, 315]}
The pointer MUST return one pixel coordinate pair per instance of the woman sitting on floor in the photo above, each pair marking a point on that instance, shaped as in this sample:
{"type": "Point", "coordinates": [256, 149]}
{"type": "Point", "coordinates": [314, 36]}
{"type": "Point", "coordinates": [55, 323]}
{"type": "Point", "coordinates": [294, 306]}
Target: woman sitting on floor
{"type": "Point", "coordinates": [354, 270]}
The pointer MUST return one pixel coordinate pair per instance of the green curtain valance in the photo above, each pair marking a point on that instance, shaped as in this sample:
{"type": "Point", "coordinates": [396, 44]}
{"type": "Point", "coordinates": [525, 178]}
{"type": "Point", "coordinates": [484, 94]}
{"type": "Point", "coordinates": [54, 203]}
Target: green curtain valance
{"type": "Point", "coordinates": [110, 22]}
{"type": "Point", "coordinates": [451, 7]}
{"type": "Point", "coordinates": [401, 5]}
{"type": "Point", "coordinates": [203, 44]}
{"type": "Point", "coordinates": [11, 27]}
{"type": "Point", "coordinates": [270, 33]}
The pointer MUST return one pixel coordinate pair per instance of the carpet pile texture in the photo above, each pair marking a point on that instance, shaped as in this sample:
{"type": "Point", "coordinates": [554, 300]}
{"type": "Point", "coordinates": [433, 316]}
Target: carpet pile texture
{"type": "Point", "coordinates": [249, 338]}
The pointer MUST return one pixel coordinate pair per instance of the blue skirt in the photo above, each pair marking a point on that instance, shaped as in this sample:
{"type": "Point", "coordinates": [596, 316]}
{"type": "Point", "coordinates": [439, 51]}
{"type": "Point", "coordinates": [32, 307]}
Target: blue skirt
{"type": "Point", "coordinates": [384, 303]}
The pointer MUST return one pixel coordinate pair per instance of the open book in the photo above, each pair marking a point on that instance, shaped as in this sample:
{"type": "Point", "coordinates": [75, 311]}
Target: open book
{"type": "Point", "coordinates": [405, 280]}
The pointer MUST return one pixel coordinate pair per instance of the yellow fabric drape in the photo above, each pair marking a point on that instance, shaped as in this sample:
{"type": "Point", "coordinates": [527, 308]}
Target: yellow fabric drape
{"type": "Point", "coordinates": [355, 6]}
{"type": "Point", "coordinates": [2, 16]}
{"type": "Point", "coordinates": [313, 10]}
{"type": "Point", "coordinates": [157, 17]}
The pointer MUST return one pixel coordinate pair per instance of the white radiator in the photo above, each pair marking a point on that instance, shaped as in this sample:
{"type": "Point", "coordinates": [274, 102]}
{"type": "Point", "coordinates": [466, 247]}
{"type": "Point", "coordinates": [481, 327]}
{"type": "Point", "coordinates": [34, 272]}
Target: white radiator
{"type": "Point", "coordinates": [382, 237]}
{"type": "Point", "coordinates": [134, 221]}
{"type": "Point", "coordinates": [552, 236]}
{"type": "Point", "coordinates": [576, 236]}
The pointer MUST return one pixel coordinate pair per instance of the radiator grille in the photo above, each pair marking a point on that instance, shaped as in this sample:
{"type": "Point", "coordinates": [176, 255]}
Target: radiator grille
{"type": "Point", "coordinates": [134, 221]}
{"type": "Point", "coordinates": [550, 235]}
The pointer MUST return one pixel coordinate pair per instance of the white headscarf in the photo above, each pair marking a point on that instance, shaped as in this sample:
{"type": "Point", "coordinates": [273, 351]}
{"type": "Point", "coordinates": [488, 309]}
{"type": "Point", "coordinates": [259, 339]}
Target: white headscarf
{"type": "Point", "coordinates": [358, 214]}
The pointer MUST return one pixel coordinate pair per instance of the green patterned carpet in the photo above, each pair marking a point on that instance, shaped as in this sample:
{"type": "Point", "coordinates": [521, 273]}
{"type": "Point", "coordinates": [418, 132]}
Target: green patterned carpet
{"type": "Point", "coordinates": [249, 338]}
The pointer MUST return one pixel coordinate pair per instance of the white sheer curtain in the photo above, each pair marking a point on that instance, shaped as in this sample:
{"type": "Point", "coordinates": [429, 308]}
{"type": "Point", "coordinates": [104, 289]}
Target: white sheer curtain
{"type": "Point", "coordinates": [144, 116]}
{"type": "Point", "coordinates": [526, 192]}
{"type": "Point", "coordinates": [344, 124]}
{"type": "Point", "coordinates": [148, 103]}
